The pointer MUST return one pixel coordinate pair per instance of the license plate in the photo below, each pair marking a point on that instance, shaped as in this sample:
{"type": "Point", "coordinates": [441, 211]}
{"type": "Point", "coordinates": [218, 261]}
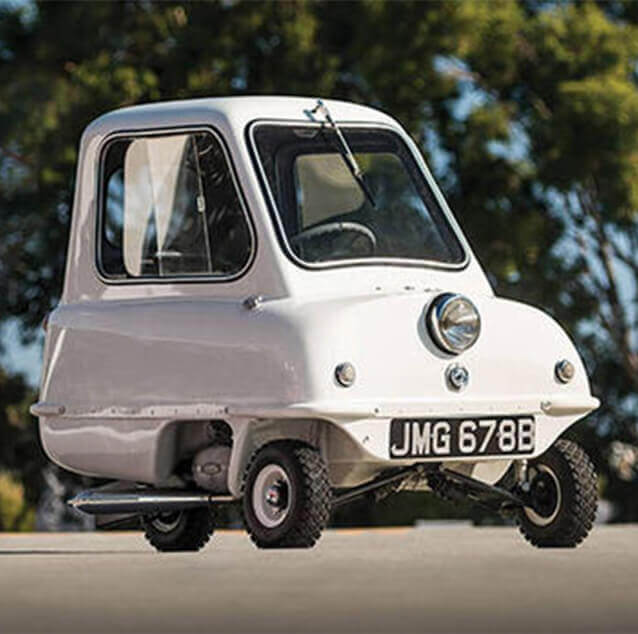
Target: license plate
{"type": "Point", "coordinates": [431, 438]}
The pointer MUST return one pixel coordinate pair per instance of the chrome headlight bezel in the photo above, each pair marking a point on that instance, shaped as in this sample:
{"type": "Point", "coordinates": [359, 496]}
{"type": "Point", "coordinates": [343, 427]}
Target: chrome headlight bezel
{"type": "Point", "coordinates": [439, 308]}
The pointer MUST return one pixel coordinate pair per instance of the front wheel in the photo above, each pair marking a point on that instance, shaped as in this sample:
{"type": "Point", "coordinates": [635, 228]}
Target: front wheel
{"type": "Point", "coordinates": [561, 491]}
{"type": "Point", "coordinates": [286, 496]}
{"type": "Point", "coordinates": [179, 531]}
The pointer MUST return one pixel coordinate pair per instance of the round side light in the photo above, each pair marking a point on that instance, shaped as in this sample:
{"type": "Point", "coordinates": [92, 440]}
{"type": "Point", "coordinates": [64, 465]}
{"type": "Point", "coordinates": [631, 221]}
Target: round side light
{"type": "Point", "coordinates": [345, 374]}
{"type": "Point", "coordinates": [564, 371]}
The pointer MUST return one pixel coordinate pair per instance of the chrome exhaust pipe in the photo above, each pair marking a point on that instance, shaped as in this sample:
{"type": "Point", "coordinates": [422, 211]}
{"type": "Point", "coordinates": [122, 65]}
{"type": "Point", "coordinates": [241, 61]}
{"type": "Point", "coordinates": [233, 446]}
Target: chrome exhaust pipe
{"type": "Point", "coordinates": [143, 501]}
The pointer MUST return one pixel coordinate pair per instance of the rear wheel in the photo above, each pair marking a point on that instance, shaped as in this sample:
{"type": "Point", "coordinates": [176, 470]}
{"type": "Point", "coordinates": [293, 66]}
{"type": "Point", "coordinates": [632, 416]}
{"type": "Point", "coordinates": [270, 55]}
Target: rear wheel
{"type": "Point", "coordinates": [286, 496]}
{"type": "Point", "coordinates": [179, 531]}
{"type": "Point", "coordinates": [561, 490]}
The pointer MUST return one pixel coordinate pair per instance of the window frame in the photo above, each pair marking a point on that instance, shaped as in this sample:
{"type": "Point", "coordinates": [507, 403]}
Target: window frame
{"type": "Point", "coordinates": [102, 275]}
{"type": "Point", "coordinates": [381, 261]}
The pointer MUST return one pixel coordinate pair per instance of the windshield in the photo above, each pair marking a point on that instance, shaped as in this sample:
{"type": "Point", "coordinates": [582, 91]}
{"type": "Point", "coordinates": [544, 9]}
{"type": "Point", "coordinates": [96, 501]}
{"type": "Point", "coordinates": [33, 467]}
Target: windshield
{"type": "Point", "coordinates": [325, 213]}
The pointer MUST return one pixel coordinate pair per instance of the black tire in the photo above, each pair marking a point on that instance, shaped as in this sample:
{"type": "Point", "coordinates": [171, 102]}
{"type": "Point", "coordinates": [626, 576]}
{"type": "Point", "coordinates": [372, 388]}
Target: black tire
{"type": "Point", "coordinates": [566, 523]}
{"type": "Point", "coordinates": [180, 531]}
{"type": "Point", "coordinates": [308, 497]}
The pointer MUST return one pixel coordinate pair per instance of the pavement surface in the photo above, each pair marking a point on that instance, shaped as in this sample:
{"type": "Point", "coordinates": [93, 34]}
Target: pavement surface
{"type": "Point", "coordinates": [437, 578]}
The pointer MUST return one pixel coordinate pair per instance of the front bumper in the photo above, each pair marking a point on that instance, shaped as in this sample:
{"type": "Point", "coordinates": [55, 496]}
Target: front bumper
{"type": "Point", "coordinates": [553, 416]}
{"type": "Point", "coordinates": [551, 406]}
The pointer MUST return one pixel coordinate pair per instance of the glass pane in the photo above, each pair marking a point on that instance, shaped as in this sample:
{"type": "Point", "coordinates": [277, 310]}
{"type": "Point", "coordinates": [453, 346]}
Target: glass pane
{"type": "Point", "coordinates": [171, 209]}
{"type": "Point", "coordinates": [325, 211]}
{"type": "Point", "coordinates": [325, 188]}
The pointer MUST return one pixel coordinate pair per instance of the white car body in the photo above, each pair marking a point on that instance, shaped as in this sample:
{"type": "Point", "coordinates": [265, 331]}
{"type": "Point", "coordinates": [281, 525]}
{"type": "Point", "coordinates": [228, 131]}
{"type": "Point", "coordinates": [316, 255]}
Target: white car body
{"type": "Point", "coordinates": [133, 369]}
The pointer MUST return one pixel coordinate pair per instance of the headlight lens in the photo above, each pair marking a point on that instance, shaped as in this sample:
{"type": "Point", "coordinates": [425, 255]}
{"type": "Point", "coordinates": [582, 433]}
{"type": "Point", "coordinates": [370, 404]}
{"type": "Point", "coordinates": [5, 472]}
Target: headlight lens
{"type": "Point", "coordinates": [453, 322]}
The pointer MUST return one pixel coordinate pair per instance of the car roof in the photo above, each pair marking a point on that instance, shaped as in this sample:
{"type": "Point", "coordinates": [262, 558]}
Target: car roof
{"type": "Point", "coordinates": [235, 112]}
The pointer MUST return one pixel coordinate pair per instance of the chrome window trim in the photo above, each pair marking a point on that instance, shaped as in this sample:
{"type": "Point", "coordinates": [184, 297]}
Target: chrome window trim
{"type": "Point", "coordinates": [429, 179]}
{"type": "Point", "coordinates": [190, 279]}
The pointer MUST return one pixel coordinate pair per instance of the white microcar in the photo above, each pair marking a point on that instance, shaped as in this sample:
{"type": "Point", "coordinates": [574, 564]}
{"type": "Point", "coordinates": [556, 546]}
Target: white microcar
{"type": "Point", "coordinates": [267, 300]}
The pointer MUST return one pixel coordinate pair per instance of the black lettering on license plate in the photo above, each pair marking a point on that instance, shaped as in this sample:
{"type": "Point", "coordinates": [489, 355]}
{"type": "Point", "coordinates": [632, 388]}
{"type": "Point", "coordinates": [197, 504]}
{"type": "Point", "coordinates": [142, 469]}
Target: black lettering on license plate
{"type": "Point", "coordinates": [418, 438]}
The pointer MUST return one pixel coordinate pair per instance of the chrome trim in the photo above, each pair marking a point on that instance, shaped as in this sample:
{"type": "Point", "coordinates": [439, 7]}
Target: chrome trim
{"type": "Point", "coordinates": [457, 376]}
{"type": "Point", "coordinates": [345, 374]}
{"type": "Point", "coordinates": [564, 370]}
{"type": "Point", "coordinates": [142, 501]}
{"type": "Point", "coordinates": [425, 172]}
{"type": "Point", "coordinates": [253, 302]}
{"type": "Point", "coordinates": [433, 316]}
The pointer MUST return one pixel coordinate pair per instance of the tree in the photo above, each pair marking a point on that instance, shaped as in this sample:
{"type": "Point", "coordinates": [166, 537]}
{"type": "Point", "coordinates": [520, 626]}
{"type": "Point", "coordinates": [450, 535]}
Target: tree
{"type": "Point", "coordinates": [571, 95]}
{"type": "Point", "coordinates": [21, 459]}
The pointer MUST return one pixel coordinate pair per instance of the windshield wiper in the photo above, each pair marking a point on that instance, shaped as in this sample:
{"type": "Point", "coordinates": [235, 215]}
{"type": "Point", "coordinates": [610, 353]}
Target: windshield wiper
{"type": "Point", "coordinates": [346, 152]}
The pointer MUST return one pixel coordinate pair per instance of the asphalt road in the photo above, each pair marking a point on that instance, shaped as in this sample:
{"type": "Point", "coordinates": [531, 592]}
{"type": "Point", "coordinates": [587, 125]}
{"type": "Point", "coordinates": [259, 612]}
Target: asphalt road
{"type": "Point", "coordinates": [437, 578]}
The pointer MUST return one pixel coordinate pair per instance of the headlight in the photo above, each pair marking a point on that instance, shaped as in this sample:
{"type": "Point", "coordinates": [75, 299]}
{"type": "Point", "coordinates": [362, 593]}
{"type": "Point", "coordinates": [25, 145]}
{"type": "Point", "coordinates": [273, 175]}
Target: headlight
{"type": "Point", "coordinates": [453, 322]}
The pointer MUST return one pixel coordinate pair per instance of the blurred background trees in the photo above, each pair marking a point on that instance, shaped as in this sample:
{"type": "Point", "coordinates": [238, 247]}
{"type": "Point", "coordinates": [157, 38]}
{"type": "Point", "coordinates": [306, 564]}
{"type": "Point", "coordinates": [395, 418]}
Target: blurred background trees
{"type": "Point", "coordinates": [20, 457]}
{"type": "Point", "coordinates": [527, 112]}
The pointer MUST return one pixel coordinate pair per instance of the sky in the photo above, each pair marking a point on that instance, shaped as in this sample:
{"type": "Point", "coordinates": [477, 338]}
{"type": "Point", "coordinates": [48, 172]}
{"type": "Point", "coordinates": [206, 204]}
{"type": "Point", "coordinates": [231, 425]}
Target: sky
{"type": "Point", "coordinates": [20, 358]}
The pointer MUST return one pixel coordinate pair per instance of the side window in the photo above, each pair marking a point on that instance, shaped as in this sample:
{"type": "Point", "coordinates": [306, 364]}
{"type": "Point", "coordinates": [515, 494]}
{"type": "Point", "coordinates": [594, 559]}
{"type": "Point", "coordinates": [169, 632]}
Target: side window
{"type": "Point", "coordinates": [170, 208]}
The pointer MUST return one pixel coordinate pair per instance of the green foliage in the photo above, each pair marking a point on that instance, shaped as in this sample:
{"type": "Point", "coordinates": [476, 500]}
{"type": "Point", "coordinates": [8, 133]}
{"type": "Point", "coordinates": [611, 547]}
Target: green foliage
{"type": "Point", "coordinates": [529, 110]}
{"type": "Point", "coordinates": [15, 514]}
{"type": "Point", "coordinates": [21, 459]}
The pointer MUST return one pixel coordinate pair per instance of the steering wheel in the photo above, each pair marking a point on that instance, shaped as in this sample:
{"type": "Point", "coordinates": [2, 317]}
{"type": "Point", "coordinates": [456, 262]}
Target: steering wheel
{"type": "Point", "coordinates": [337, 227]}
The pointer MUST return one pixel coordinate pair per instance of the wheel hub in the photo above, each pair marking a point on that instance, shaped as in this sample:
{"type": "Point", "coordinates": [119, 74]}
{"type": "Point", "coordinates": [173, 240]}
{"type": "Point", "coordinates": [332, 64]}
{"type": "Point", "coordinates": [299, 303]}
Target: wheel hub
{"type": "Point", "coordinates": [271, 495]}
{"type": "Point", "coordinates": [277, 495]}
{"type": "Point", "coordinates": [166, 522]}
{"type": "Point", "coordinates": [544, 495]}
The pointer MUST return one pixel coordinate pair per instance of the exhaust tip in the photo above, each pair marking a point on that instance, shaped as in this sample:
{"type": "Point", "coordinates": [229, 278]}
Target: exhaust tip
{"type": "Point", "coordinates": [142, 501]}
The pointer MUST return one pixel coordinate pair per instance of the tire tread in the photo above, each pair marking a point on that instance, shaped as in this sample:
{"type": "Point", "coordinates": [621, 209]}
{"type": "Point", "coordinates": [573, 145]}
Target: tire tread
{"type": "Point", "coordinates": [317, 499]}
{"type": "Point", "coordinates": [575, 523]}
{"type": "Point", "coordinates": [194, 534]}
